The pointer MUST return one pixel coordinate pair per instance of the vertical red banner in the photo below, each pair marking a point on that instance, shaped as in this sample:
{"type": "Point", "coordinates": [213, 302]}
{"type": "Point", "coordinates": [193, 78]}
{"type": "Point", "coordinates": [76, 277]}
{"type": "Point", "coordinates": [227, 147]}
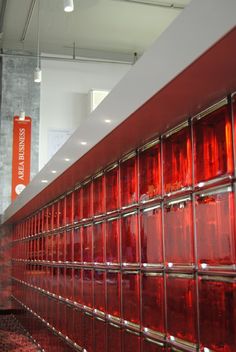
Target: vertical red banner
{"type": "Point", "coordinates": [21, 155]}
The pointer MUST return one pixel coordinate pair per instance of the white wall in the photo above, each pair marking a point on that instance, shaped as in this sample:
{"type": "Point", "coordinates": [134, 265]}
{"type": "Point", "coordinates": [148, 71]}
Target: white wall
{"type": "Point", "coordinates": [64, 94]}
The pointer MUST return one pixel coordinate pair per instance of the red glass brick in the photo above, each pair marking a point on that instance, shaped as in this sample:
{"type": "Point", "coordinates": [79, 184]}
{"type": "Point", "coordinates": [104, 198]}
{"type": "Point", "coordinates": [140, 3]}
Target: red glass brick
{"type": "Point", "coordinates": [43, 249]}
{"type": "Point", "coordinates": [112, 189]}
{"type": "Point", "coordinates": [99, 330]}
{"type": "Point", "coordinates": [77, 244]}
{"type": "Point", "coordinates": [178, 231]}
{"type": "Point", "coordinates": [113, 293]}
{"type": "Point", "coordinates": [181, 307]}
{"type": "Point", "coordinates": [99, 195]}
{"type": "Point", "coordinates": [78, 294]}
{"type": "Point", "coordinates": [69, 278]}
{"type": "Point", "coordinates": [151, 236]}
{"type": "Point", "coordinates": [150, 173]}
{"type": "Point", "coordinates": [78, 323]}
{"type": "Point", "coordinates": [131, 341]}
{"type": "Point", "coordinates": [49, 248]}
{"type": "Point", "coordinates": [69, 209]}
{"type": "Point", "coordinates": [98, 240]}
{"type": "Point", "coordinates": [153, 301]}
{"type": "Point", "coordinates": [217, 313]}
{"type": "Point", "coordinates": [234, 127]}
{"type": "Point", "coordinates": [87, 243]}
{"type": "Point", "coordinates": [55, 280]}
{"type": "Point", "coordinates": [87, 200]}
{"type": "Point", "coordinates": [100, 290]}
{"type": "Point", "coordinates": [61, 278]}
{"type": "Point", "coordinates": [61, 246]}
{"type": "Point", "coordinates": [215, 228]}
{"type": "Point", "coordinates": [149, 345]}
{"type": "Point", "coordinates": [130, 238]}
{"type": "Point", "coordinates": [77, 205]}
{"type": "Point", "coordinates": [88, 287]}
{"type": "Point", "coordinates": [114, 336]}
{"type": "Point", "coordinates": [88, 332]}
{"type": "Point", "coordinates": [55, 218]}
{"type": "Point", "coordinates": [128, 181]}
{"type": "Point", "coordinates": [61, 212]}
{"type": "Point", "coordinates": [55, 240]}
{"type": "Point", "coordinates": [113, 241]}
{"type": "Point", "coordinates": [177, 161]}
{"type": "Point", "coordinates": [69, 246]}
{"type": "Point", "coordinates": [213, 142]}
{"type": "Point", "coordinates": [49, 217]}
{"type": "Point", "coordinates": [131, 297]}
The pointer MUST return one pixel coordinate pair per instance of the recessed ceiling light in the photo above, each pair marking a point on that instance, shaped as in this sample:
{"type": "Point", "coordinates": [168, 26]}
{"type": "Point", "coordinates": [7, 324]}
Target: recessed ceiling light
{"type": "Point", "coordinates": [67, 159]}
{"type": "Point", "coordinates": [44, 181]}
{"type": "Point", "coordinates": [54, 172]}
{"type": "Point", "coordinates": [107, 121]}
{"type": "Point", "coordinates": [68, 5]}
{"type": "Point", "coordinates": [83, 143]}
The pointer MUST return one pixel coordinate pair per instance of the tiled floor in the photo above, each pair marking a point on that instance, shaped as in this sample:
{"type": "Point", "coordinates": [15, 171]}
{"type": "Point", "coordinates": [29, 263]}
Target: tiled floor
{"type": "Point", "coordinates": [13, 337]}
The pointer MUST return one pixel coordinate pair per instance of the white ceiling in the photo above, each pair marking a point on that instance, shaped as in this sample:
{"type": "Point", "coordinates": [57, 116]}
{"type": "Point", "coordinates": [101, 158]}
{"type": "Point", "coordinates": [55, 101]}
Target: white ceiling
{"type": "Point", "coordinates": [97, 27]}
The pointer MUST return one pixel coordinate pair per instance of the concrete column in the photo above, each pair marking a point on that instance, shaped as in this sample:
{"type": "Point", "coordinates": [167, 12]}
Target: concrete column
{"type": "Point", "coordinates": [18, 92]}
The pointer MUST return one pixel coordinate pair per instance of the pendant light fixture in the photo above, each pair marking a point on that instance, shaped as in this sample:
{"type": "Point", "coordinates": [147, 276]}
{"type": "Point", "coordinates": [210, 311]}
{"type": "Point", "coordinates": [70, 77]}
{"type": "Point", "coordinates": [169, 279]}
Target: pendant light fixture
{"type": "Point", "coordinates": [68, 5]}
{"type": "Point", "coordinates": [37, 71]}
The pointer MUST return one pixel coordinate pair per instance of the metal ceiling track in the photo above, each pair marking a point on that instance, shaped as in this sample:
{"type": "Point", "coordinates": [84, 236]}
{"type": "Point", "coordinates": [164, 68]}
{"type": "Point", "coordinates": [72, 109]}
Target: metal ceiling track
{"type": "Point", "coordinates": [2, 14]}
{"type": "Point", "coordinates": [28, 19]}
{"type": "Point", "coordinates": [170, 5]}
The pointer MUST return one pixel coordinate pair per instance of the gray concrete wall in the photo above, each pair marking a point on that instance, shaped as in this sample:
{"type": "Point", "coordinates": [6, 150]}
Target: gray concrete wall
{"type": "Point", "coordinates": [18, 92]}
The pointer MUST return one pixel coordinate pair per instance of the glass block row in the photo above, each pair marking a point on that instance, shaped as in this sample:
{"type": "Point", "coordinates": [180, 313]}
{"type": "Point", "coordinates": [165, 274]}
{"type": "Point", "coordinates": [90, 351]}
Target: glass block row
{"type": "Point", "coordinates": [138, 237]}
{"type": "Point", "coordinates": [137, 178]}
{"type": "Point", "coordinates": [216, 301]}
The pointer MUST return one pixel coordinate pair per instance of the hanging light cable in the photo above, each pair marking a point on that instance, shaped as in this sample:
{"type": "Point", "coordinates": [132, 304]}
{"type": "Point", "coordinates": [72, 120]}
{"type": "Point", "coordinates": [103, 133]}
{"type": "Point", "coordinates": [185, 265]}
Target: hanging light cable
{"type": "Point", "coordinates": [37, 71]}
{"type": "Point", "coordinates": [68, 5]}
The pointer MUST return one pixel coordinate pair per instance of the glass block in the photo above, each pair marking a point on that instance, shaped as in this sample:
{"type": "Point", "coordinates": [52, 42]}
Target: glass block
{"type": "Point", "coordinates": [77, 204]}
{"type": "Point", "coordinates": [61, 246]}
{"type": "Point", "coordinates": [69, 216]}
{"type": "Point", "coordinates": [153, 302]}
{"type": "Point", "coordinates": [234, 127]}
{"type": "Point", "coordinates": [112, 188]}
{"type": "Point", "coordinates": [150, 173]}
{"type": "Point", "coordinates": [149, 345]}
{"type": "Point", "coordinates": [113, 241]}
{"type": "Point", "coordinates": [128, 181]}
{"type": "Point", "coordinates": [98, 240]}
{"type": "Point", "coordinates": [55, 280]}
{"type": "Point", "coordinates": [114, 336]}
{"type": "Point", "coordinates": [131, 341]}
{"type": "Point", "coordinates": [61, 212]}
{"type": "Point", "coordinates": [215, 231]}
{"type": "Point", "coordinates": [99, 195]}
{"type": "Point", "coordinates": [217, 298]}
{"type": "Point", "coordinates": [69, 246]}
{"type": "Point", "coordinates": [55, 240]}
{"type": "Point", "coordinates": [99, 330]}
{"type": "Point", "coordinates": [113, 293]}
{"type": "Point", "coordinates": [131, 297]}
{"type": "Point", "coordinates": [69, 278]}
{"type": "Point", "coordinates": [61, 278]}
{"type": "Point", "coordinates": [100, 290]}
{"type": "Point", "coordinates": [88, 287]}
{"type": "Point", "coordinates": [87, 243]}
{"type": "Point", "coordinates": [78, 294]}
{"type": "Point", "coordinates": [49, 217]}
{"type": "Point", "coordinates": [77, 244]}
{"type": "Point", "coordinates": [178, 230]}
{"type": "Point", "coordinates": [177, 161]}
{"type": "Point", "coordinates": [181, 307]}
{"type": "Point", "coordinates": [48, 246]}
{"type": "Point", "coordinates": [151, 236]}
{"type": "Point", "coordinates": [213, 141]}
{"type": "Point", "coordinates": [88, 332]}
{"type": "Point", "coordinates": [130, 238]}
{"type": "Point", "coordinates": [55, 219]}
{"type": "Point", "coordinates": [78, 336]}
{"type": "Point", "coordinates": [87, 200]}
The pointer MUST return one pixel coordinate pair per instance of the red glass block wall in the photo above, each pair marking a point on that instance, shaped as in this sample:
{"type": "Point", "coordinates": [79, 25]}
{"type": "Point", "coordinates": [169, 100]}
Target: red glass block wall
{"type": "Point", "coordinates": [141, 256]}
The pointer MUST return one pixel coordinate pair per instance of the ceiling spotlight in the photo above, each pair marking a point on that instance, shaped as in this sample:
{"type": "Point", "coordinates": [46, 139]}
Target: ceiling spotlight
{"type": "Point", "coordinates": [83, 143]}
{"type": "Point", "coordinates": [67, 159]}
{"type": "Point", "coordinates": [54, 172]}
{"type": "Point", "coordinates": [37, 75]}
{"type": "Point", "coordinates": [68, 5]}
{"type": "Point", "coordinates": [107, 121]}
{"type": "Point", "coordinates": [44, 181]}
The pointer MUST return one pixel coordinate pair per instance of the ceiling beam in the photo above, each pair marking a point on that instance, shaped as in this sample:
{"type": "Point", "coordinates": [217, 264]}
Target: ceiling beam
{"type": "Point", "coordinates": [28, 19]}
{"type": "Point", "coordinates": [170, 5]}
